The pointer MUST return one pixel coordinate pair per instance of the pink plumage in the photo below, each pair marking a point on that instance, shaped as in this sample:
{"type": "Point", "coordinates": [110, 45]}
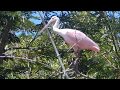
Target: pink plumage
{"type": "Point", "coordinates": [75, 38]}
{"type": "Point", "coordinates": [80, 41]}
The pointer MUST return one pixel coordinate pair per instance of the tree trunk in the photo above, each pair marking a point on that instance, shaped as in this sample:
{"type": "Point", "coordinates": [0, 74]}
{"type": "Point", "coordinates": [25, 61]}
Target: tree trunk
{"type": "Point", "coordinates": [4, 39]}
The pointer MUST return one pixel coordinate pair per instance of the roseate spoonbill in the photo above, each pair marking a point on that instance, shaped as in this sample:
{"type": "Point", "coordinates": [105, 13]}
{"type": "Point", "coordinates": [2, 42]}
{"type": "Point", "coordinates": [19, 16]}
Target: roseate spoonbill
{"type": "Point", "coordinates": [74, 38]}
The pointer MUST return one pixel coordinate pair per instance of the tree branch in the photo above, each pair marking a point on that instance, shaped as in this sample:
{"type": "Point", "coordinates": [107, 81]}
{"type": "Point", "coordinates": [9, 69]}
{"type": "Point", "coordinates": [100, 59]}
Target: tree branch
{"type": "Point", "coordinates": [57, 53]}
{"type": "Point", "coordinates": [112, 35]}
{"type": "Point", "coordinates": [4, 37]}
{"type": "Point", "coordinates": [86, 76]}
{"type": "Point", "coordinates": [38, 48]}
{"type": "Point", "coordinates": [27, 59]}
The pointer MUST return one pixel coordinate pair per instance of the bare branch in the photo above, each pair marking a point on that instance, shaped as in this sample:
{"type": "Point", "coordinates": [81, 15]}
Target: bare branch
{"type": "Point", "coordinates": [113, 38]}
{"type": "Point", "coordinates": [57, 53]}
{"type": "Point", "coordinates": [38, 48]}
{"type": "Point", "coordinates": [30, 60]}
{"type": "Point", "coordinates": [86, 76]}
{"type": "Point", "coordinates": [27, 59]}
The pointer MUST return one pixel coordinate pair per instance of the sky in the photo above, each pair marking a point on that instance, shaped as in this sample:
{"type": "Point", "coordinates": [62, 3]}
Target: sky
{"type": "Point", "coordinates": [37, 15]}
{"type": "Point", "coordinates": [58, 13]}
{"type": "Point", "coordinates": [35, 21]}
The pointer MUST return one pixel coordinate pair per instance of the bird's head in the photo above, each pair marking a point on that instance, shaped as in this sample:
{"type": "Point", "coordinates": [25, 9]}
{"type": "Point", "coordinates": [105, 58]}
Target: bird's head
{"type": "Point", "coordinates": [53, 20]}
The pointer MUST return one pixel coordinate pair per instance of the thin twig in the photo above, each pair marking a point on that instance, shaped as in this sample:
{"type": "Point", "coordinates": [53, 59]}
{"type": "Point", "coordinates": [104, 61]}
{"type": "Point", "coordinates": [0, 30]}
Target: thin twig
{"type": "Point", "coordinates": [86, 76]}
{"type": "Point", "coordinates": [36, 36]}
{"type": "Point", "coordinates": [33, 48]}
{"type": "Point", "coordinates": [29, 48]}
{"type": "Point", "coordinates": [30, 60]}
{"type": "Point", "coordinates": [57, 53]}
{"type": "Point", "coordinates": [109, 62]}
{"type": "Point", "coordinates": [113, 38]}
{"type": "Point", "coordinates": [27, 59]}
{"type": "Point", "coordinates": [67, 70]}
{"type": "Point", "coordinates": [57, 73]}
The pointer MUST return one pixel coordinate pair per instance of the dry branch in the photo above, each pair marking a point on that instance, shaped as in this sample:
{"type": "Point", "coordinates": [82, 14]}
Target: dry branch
{"type": "Point", "coordinates": [57, 53]}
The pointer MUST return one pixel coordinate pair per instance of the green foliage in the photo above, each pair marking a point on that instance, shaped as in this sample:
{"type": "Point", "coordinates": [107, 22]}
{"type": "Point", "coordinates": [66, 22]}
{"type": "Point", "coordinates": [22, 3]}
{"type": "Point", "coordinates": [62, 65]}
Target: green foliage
{"type": "Point", "coordinates": [39, 60]}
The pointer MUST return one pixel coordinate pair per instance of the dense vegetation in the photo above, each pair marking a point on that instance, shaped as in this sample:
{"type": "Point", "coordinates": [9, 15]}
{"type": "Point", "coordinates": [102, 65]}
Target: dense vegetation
{"type": "Point", "coordinates": [22, 59]}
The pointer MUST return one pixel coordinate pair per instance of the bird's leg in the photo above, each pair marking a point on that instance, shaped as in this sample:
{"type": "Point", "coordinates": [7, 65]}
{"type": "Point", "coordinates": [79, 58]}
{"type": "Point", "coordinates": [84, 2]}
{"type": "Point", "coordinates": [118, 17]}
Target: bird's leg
{"type": "Point", "coordinates": [74, 65]}
{"type": "Point", "coordinates": [75, 62]}
{"type": "Point", "coordinates": [78, 54]}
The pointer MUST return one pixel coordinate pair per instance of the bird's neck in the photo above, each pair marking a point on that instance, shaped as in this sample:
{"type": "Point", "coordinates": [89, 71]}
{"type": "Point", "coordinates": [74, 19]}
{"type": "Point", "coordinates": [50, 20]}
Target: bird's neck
{"type": "Point", "coordinates": [56, 25]}
{"type": "Point", "coordinates": [57, 30]}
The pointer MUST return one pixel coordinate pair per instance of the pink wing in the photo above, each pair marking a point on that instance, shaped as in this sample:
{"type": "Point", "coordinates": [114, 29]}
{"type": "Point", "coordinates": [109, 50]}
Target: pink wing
{"type": "Point", "coordinates": [80, 41]}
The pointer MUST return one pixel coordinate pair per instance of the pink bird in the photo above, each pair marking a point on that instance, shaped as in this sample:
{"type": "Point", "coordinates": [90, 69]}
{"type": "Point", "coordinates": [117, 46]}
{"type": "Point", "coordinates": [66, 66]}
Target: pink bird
{"type": "Point", "coordinates": [74, 38]}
